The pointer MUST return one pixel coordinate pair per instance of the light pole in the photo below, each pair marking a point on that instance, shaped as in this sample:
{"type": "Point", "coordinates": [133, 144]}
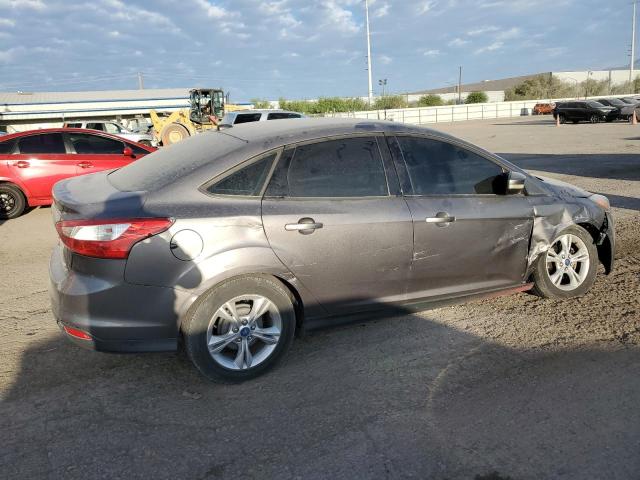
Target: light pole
{"type": "Point", "coordinates": [633, 43]}
{"type": "Point", "coordinates": [366, 7]}
{"type": "Point", "coordinates": [586, 85]}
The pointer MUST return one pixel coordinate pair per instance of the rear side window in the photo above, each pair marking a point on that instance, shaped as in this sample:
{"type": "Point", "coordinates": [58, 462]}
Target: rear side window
{"type": "Point", "coordinates": [7, 147]}
{"type": "Point", "coordinates": [46, 143]}
{"type": "Point", "coordinates": [248, 181]}
{"type": "Point", "coordinates": [440, 168]}
{"type": "Point", "coordinates": [247, 117]}
{"type": "Point", "coordinates": [349, 167]}
{"type": "Point", "coordinates": [282, 116]}
{"type": "Point", "coordinates": [95, 144]}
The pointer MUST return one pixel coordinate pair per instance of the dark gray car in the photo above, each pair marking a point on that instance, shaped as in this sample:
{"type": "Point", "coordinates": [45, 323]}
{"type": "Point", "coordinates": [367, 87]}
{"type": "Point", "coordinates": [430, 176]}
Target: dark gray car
{"type": "Point", "coordinates": [231, 241]}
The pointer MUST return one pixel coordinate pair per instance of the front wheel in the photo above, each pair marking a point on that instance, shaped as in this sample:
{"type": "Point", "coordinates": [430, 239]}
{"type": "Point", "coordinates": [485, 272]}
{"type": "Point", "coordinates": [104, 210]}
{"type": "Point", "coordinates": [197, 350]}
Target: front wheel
{"type": "Point", "coordinates": [241, 328]}
{"type": "Point", "coordinates": [594, 119]}
{"type": "Point", "coordinates": [568, 268]}
{"type": "Point", "coordinates": [12, 201]}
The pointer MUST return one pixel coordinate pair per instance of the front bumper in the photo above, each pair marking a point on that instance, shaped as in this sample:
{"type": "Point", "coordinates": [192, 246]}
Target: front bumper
{"type": "Point", "coordinates": [118, 316]}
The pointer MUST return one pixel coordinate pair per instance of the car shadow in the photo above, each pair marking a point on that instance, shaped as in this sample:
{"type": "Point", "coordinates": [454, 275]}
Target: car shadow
{"type": "Point", "coordinates": [399, 397]}
{"type": "Point", "coordinates": [617, 166]}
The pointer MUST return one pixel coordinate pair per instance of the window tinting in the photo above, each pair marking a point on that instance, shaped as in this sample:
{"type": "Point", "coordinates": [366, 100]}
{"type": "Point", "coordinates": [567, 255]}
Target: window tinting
{"type": "Point", "coordinates": [349, 167]}
{"type": "Point", "coordinates": [7, 147]}
{"type": "Point", "coordinates": [96, 126]}
{"type": "Point", "coordinates": [247, 181]}
{"type": "Point", "coordinates": [74, 125]}
{"type": "Point", "coordinates": [282, 115]}
{"type": "Point", "coordinates": [247, 117]}
{"type": "Point", "coordinates": [46, 143]}
{"type": "Point", "coordinates": [94, 144]}
{"type": "Point", "coordinates": [137, 150]}
{"type": "Point", "coordinates": [441, 168]}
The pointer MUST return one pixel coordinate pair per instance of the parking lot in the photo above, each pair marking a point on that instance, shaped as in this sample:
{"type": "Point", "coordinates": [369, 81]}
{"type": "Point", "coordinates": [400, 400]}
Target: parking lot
{"type": "Point", "coordinates": [524, 387]}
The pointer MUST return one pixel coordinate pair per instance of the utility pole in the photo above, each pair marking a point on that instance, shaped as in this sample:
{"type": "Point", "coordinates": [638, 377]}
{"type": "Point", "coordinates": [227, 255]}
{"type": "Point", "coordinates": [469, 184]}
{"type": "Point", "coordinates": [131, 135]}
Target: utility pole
{"type": "Point", "coordinates": [633, 42]}
{"type": "Point", "coordinates": [460, 85]}
{"type": "Point", "coordinates": [366, 6]}
{"type": "Point", "coordinates": [140, 81]}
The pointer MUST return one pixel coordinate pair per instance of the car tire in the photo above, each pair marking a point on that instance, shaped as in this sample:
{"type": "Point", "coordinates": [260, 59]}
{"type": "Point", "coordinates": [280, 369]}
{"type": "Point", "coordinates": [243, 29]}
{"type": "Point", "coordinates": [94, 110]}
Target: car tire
{"type": "Point", "coordinates": [563, 118]}
{"type": "Point", "coordinates": [219, 328]}
{"type": "Point", "coordinates": [551, 278]}
{"type": "Point", "coordinates": [12, 201]}
{"type": "Point", "coordinates": [594, 119]}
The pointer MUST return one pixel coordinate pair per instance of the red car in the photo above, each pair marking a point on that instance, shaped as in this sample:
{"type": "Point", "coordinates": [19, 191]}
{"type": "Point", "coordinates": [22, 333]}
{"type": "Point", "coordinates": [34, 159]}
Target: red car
{"type": "Point", "coordinates": [31, 162]}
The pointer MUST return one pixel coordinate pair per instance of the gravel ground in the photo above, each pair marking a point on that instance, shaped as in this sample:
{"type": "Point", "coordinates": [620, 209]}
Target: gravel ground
{"type": "Point", "coordinates": [524, 387]}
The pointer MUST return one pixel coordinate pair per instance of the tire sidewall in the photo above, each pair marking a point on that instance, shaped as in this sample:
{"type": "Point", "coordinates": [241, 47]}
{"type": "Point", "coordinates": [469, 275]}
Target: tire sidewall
{"type": "Point", "coordinates": [197, 322]}
{"type": "Point", "coordinates": [20, 205]}
{"type": "Point", "coordinates": [542, 280]}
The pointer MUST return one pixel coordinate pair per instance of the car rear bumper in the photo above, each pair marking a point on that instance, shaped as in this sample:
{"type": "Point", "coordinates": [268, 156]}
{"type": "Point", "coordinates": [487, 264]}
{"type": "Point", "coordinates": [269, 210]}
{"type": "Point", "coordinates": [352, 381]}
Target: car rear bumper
{"type": "Point", "coordinates": [117, 316]}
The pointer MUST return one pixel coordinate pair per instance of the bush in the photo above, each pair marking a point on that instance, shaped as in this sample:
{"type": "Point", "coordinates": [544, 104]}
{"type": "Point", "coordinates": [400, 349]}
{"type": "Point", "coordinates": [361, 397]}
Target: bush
{"type": "Point", "coordinates": [261, 104]}
{"type": "Point", "coordinates": [430, 101]}
{"type": "Point", "coordinates": [324, 105]}
{"type": "Point", "coordinates": [477, 97]}
{"type": "Point", "coordinates": [390, 102]}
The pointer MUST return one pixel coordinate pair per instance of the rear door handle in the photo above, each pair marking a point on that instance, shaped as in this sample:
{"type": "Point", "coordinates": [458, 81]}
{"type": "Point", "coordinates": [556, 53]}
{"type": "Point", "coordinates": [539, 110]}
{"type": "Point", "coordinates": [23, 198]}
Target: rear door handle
{"type": "Point", "coordinates": [305, 226]}
{"type": "Point", "coordinates": [85, 164]}
{"type": "Point", "coordinates": [22, 164]}
{"type": "Point", "coordinates": [442, 219]}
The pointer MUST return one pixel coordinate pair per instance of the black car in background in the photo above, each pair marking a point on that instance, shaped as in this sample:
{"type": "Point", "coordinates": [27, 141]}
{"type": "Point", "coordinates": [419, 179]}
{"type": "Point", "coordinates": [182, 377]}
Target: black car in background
{"type": "Point", "coordinates": [584, 110]}
{"type": "Point", "coordinates": [623, 110]}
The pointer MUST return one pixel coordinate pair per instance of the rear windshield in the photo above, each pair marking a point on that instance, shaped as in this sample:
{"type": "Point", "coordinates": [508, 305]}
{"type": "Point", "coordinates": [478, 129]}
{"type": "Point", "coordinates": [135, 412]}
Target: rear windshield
{"type": "Point", "coordinates": [168, 164]}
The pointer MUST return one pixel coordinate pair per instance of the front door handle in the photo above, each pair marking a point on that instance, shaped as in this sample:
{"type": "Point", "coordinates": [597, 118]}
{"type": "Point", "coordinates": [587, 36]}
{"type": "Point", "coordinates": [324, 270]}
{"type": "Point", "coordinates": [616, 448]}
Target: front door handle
{"type": "Point", "coordinates": [85, 164]}
{"type": "Point", "coordinates": [442, 219]}
{"type": "Point", "coordinates": [22, 164]}
{"type": "Point", "coordinates": [305, 226]}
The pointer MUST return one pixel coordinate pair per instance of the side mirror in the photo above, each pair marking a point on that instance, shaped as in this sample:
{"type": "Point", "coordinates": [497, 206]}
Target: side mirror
{"type": "Point", "coordinates": [128, 152]}
{"type": "Point", "coordinates": [515, 183]}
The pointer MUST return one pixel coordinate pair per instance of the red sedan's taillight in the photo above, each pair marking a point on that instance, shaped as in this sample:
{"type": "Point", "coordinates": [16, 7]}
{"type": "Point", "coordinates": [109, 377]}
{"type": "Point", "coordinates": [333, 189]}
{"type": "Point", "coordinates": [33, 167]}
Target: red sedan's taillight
{"type": "Point", "coordinates": [112, 238]}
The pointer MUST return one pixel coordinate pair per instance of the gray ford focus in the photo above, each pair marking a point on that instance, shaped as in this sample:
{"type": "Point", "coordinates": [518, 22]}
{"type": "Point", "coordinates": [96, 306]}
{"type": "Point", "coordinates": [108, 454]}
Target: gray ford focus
{"type": "Point", "coordinates": [231, 241]}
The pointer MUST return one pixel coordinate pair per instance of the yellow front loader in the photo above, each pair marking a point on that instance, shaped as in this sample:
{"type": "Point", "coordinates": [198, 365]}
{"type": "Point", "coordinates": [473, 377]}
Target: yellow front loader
{"type": "Point", "coordinates": [206, 109]}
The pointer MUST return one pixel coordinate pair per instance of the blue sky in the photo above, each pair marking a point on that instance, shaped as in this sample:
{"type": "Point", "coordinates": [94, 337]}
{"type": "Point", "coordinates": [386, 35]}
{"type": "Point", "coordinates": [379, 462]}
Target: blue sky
{"type": "Point", "coordinates": [300, 48]}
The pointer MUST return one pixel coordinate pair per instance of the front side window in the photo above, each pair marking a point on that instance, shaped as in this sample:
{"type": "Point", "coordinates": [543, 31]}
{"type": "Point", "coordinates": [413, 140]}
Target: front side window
{"type": "Point", "coordinates": [112, 128]}
{"type": "Point", "coordinates": [46, 143]}
{"type": "Point", "coordinates": [95, 144]}
{"type": "Point", "coordinates": [440, 168]}
{"type": "Point", "coordinates": [7, 147]}
{"type": "Point", "coordinates": [282, 116]}
{"type": "Point", "coordinates": [247, 181]}
{"type": "Point", "coordinates": [349, 167]}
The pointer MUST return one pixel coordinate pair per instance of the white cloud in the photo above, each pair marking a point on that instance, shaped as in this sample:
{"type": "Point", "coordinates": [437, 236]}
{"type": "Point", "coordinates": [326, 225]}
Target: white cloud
{"type": "Point", "coordinates": [212, 10]}
{"type": "Point", "coordinates": [340, 18]}
{"type": "Point", "coordinates": [425, 7]}
{"type": "Point", "coordinates": [29, 4]}
{"type": "Point", "coordinates": [508, 34]}
{"type": "Point", "coordinates": [431, 53]}
{"type": "Point", "coordinates": [490, 48]}
{"type": "Point", "coordinates": [385, 59]}
{"type": "Point", "coordinates": [458, 42]}
{"type": "Point", "coordinates": [382, 10]}
{"type": "Point", "coordinates": [7, 22]}
{"type": "Point", "coordinates": [482, 30]}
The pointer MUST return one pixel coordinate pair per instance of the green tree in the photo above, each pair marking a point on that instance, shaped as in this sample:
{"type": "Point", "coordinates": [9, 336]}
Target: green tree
{"type": "Point", "coordinates": [541, 86]}
{"type": "Point", "coordinates": [477, 97]}
{"type": "Point", "coordinates": [261, 104]}
{"type": "Point", "coordinates": [430, 101]}
{"type": "Point", "coordinates": [390, 102]}
{"type": "Point", "coordinates": [594, 88]}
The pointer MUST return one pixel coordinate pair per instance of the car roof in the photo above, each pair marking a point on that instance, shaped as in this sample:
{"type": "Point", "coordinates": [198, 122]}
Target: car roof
{"type": "Point", "coordinates": [71, 130]}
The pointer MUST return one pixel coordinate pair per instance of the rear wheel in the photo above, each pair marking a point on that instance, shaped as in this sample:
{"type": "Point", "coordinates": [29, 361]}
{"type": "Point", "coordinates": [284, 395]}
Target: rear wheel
{"type": "Point", "coordinates": [594, 119]}
{"type": "Point", "coordinates": [173, 133]}
{"type": "Point", "coordinates": [12, 201]}
{"type": "Point", "coordinates": [569, 267]}
{"type": "Point", "coordinates": [240, 329]}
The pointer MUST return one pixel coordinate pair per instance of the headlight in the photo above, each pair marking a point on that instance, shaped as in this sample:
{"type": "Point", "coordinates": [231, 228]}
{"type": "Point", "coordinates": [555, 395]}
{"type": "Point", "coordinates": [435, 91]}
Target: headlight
{"type": "Point", "coordinates": [601, 201]}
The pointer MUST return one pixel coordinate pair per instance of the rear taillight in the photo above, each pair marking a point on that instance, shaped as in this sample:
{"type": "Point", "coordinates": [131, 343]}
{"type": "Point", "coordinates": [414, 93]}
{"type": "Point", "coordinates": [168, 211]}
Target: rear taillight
{"type": "Point", "coordinates": [112, 238]}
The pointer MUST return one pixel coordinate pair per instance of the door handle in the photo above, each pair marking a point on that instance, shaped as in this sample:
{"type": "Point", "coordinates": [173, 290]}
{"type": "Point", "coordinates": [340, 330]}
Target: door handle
{"type": "Point", "coordinates": [305, 226]}
{"type": "Point", "coordinates": [22, 164]}
{"type": "Point", "coordinates": [85, 164]}
{"type": "Point", "coordinates": [442, 219]}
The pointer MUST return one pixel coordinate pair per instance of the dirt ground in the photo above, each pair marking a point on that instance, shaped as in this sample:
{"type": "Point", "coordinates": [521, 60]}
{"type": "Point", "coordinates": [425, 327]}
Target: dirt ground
{"type": "Point", "coordinates": [527, 388]}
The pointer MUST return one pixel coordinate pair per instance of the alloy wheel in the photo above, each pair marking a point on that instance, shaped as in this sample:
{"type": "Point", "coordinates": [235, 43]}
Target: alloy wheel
{"type": "Point", "coordinates": [7, 202]}
{"type": "Point", "coordinates": [244, 332]}
{"type": "Point", "coordinates": [567, 262]}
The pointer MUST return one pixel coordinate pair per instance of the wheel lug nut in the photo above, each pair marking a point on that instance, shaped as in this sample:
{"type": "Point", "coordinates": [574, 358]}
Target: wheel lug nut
{"type": "Point", "coordinates": [253, 327]}
{"type": "Point", "coordinates": [235, 329]}
{"type": "Point", "coordinates": [238, 340]}
{"type": "Point", "coordinates": [244, 322]}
